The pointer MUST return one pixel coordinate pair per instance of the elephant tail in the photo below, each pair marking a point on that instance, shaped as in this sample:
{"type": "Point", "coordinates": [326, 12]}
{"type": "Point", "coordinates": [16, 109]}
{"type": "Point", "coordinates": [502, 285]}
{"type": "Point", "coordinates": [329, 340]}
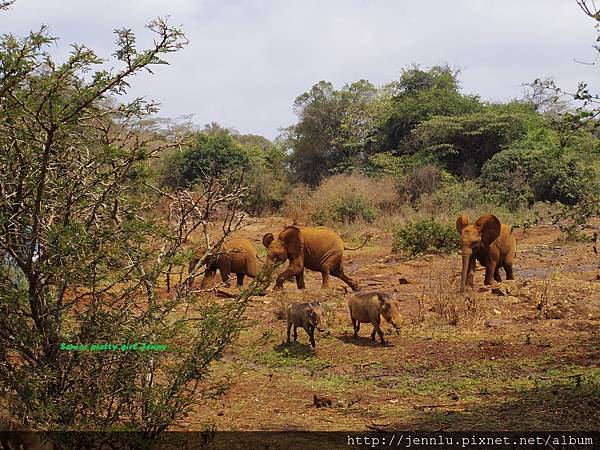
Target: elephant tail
{"type": "Point", "coordinates": [367, 238]}
{"type": "Point", "coordinates": [258, 257]}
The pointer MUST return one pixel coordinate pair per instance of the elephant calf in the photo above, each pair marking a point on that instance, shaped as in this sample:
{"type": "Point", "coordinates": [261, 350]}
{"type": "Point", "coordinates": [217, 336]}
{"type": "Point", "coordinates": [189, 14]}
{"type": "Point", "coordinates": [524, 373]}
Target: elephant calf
{"type": "Point", "coordinates": [489, 242]}
{"type": "Point", "coordinates": [368, 307]}
{"type": "Point", "coordinates": [308, 316]}
{"type": "Point", "coordinates": [236, 255]}
{"type": "Point", "coordinates": [314, 248]}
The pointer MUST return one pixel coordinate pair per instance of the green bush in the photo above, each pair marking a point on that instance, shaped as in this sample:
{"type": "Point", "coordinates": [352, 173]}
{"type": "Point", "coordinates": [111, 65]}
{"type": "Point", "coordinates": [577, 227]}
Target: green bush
{"type": "Point", "coordinates": [452, 198]}
{"type": "Point", "coordinates": [421, 180]}
{"type": "Point", "coordinates": [425, 236]}
{"type": "Point", "coordinates": [267, 176]}
{"type": "Point", "coordinates": [210, 154]}
{"type": "Point", "coordinates": [346, 209]}
{"type": "Point", "coordinates": [521, 176]}
{"type": "Point", "coordinates": [353, 208]}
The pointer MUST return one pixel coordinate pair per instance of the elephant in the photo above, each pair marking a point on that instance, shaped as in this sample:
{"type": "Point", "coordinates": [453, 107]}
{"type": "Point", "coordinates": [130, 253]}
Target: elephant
{"type": "Point", "coordinates": [313, 248]}
{"type": "Point", "coordinates": [236, 255]}
{"type": "Point", "coordinates": [489, 242]}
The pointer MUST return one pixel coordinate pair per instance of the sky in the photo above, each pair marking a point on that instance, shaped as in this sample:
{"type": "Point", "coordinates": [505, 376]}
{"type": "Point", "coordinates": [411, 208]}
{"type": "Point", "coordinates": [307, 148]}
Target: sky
{"type": "Point", "coordinates": [248, 60]}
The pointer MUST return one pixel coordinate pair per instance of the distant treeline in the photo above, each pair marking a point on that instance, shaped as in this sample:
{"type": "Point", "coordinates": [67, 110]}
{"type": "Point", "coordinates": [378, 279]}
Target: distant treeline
{"type": "Point", "coordinates": [419, 129]}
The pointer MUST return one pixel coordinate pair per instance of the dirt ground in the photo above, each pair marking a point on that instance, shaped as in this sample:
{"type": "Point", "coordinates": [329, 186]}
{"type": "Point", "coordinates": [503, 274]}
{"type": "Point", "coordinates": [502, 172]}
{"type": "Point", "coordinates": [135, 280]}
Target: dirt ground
{"type": "Point", "coordinates": [521, 355]}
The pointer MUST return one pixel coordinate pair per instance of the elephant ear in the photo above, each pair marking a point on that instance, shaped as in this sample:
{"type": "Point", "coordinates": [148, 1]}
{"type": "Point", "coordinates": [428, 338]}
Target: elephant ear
{"type": "Point", "coordinates": [461, 222]}
{"type": "Point", "coordinates": [267, 239]}
{"type": "Point", "coordinates": [292, 237]}
{"type": "Point", "coordinates": [490, 228]}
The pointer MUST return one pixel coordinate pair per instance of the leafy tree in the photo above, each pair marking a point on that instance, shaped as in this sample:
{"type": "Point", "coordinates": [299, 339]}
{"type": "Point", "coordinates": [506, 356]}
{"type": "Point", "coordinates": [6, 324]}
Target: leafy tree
{"type": "Point", "coordinates": [387, 164]}
{"type": "Point", "coordinates": [577, 124]}
{"type": "Point", "coordinates": [336, 129]}
{"type": "Point", "coordinates": [268, 175]}
{"type": "Point", "coordinates": [319, 114]}
{"type": "Point", "coordinates": [419, 95]}
{"type": "Point", "coordinates": [537, 169]}
{"type": "Point", "coordinates": [261, 165]}
{"type": "Point", "coordinates": [84, 246]}
{"type": "Point", "coordinates": [463, 143]}
{"type": "Point", "coordinates": [212, 154]}
{"type": "Point", "coordinates": [365, 108]}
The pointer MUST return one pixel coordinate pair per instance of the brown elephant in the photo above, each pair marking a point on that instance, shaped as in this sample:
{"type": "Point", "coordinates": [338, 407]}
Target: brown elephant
{"type": "Point", "coordinates": [489, 242]}
{"type": "Point", "coordinates": [313, 248]}
{"type": "Point", "coordinates": [236, 255]}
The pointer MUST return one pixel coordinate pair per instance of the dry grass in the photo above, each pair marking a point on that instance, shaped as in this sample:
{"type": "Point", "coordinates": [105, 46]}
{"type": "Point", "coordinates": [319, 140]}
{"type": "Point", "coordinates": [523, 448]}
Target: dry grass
{"type": "Point", "coordinates": [451, 307]}
{"type": "Point", "coordinates": [381, 205]}
{"type": "Point", "coordinates": [296, 203]}
{"type": "Point", "coordinates": [380, 195]}
{"type": "Point", "coordinates": [333, 309]}
{"type": "Point", "coordinates": [281, 301]}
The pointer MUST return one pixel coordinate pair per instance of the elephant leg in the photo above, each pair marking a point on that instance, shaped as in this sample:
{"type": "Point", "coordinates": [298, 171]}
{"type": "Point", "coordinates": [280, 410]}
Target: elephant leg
{"type": "Point", "coordinates": [325, 275]}
{"type": "Point", "coordinates": [225, 268]}
{"type": "Point", "coordinates": [208, 276]}
{"type": "Point", "coordinates": [289, 328]}
{"type": "Point", "coordinates": [497, 276]}
{"type": "Point", "coordinates": [291, 271]}
{"type": "Point", "coordinates": [509, 271]}
{"type": "Point", "coordinates": [240, 279]}
{"type": "Point", "coordinates": [193, 263]}
{"type": "Point", "coordinates": [471, 272]}
{"type": "Point", "coordinates": [338, 272]}
{"type": "Point", "coordinates": [300, 280]}
{"type": "Point", "coordinates": [490, 269]}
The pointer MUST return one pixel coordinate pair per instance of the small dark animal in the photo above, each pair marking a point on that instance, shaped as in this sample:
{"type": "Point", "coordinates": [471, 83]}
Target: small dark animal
{"type": "Point", "coordinates": [308, 316]}
{"type": "Point", "coordinates": [321, 401]}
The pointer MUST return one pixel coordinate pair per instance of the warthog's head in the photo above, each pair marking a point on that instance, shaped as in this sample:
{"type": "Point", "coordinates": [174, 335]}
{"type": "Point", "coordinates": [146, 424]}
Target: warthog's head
{"type": "Point", "coordinates": [390, 311]}
{"type": "Point", "coordinates": [316, 317]}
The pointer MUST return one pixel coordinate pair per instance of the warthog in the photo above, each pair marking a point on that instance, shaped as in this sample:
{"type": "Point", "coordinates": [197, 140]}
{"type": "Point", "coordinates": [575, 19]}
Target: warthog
{"type": "Point", "coordinates": [308, 316]}
{"type": "Point", "coordinates": [367, 307]}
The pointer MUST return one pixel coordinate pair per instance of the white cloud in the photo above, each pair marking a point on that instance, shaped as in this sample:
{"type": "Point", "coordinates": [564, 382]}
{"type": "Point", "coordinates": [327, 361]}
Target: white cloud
{"type": "Point", "coordinates": [248, 60]}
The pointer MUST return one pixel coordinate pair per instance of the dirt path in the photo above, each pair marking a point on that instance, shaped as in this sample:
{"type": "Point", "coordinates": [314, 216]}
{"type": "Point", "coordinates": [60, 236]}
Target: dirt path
{"type": "Point", "coordinates": [523, 355]}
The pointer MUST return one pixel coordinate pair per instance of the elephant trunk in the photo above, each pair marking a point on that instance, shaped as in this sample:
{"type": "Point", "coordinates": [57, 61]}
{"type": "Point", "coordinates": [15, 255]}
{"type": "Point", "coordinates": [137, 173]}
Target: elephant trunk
{"type": "Point", "coordinates": [466, 257]}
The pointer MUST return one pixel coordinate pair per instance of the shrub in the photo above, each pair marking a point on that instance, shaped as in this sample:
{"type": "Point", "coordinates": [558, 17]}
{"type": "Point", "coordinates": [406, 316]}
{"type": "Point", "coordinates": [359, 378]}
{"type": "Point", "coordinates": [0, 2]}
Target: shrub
{"type": "Point", "coordinates": [452, 198]}
{"type": "Point", "coordinates": [425, 236]}
{"type": "Point", "coordinates": [538, 171]}
{"type": "Point", "coordinates": [267, 176]}
{"type": "Point", "coordinates": [346, 209]}
{"type": "Point", "coordinates": [343, 198]}
{"type": "Point", "coordinates": [296, 202]}
{"type": "Point", "coordinates": [422, 180]}
{"type": "Point", "coordinates": [213, 153]}
{"type": "Point", "coordinates": [451, 307]}
{"type": "Point", "coordinates": [352, 208]}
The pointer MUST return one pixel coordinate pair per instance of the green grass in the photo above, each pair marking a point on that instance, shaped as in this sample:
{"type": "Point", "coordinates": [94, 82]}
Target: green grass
{"type": "Point", "coordinates": [289, 355]}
